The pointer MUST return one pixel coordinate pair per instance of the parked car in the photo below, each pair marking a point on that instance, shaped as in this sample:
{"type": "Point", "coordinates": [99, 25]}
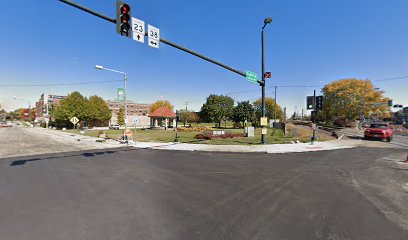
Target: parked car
{"type": "Point", "coordinates": [379, 130]}
{"type": "Point", "coordinates": [115, 127]}
{"type": "Point", "coordinates": [5, 124]}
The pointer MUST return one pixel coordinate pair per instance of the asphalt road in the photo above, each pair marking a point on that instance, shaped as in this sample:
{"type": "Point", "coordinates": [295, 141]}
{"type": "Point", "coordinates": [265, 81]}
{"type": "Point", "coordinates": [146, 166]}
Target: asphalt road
{"type": "Point", "coordinates": [398, 141]}
{"type": "Point", "coordinates": [359, 193]}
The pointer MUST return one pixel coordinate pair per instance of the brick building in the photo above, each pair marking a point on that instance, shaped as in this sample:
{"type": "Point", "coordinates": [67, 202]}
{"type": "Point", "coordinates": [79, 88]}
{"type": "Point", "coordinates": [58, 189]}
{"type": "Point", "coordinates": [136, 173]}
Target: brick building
{"type": "Point", "coordinates": [137, 113]}
{"type": "Point", "coordinates": [41, 105]}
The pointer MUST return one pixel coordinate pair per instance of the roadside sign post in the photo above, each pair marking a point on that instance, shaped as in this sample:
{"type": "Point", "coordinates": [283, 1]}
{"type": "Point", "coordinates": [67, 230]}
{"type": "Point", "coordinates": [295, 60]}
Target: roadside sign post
{"type": "Point", "coordinates": [74, 121]}
{"type": "Point", "coordinates": [314, 119]}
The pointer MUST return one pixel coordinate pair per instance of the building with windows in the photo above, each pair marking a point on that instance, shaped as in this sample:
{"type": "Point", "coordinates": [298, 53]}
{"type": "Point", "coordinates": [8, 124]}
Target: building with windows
{"type": "Point", "coordinates": [137, 113]}
{"type": "Point", "coordinates": [46, 101]}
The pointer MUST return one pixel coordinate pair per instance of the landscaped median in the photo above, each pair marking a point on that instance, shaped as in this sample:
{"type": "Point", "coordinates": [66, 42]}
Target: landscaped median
{"type": "Point", "coordinates": [201, 135]}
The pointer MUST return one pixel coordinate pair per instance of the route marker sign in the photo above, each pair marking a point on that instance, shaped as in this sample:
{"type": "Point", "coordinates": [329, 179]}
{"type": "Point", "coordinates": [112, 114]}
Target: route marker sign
{"type": "Point", "coordinates": [153, 36]}
{"type": "Point", "coordinates": [138, 29]}
{"type": "Point", "coordinates": [74, 120]}
{"type": "Point", "coordinates": [251, 77]}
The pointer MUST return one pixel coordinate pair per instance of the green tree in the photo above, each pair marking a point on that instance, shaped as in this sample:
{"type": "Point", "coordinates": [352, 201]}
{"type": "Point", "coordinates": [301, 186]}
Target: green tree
{"type": "Point", "coordinates": [217, 108]}
{"type": "Point", "coordinates": [121, 117]}
{"type": "Point", "coordinates": [243, 111]}
{"type": "Point", "coordinates": [269, 109]}
{"type": "Point", "coordinates": [160, 103]}
{"type": "Point", "coordinates": [186, 116]}
{"type": "Point", "coordinates": [344, 99]}
{"type": "Point", "coordinates": [98, 111]}
{"type": "Point", "coordinates": [74, 105]}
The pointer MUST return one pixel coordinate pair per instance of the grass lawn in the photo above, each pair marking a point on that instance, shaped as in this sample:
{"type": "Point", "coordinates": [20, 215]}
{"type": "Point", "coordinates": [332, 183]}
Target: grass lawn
{"type": "Point", "coordinates": [189, 137]}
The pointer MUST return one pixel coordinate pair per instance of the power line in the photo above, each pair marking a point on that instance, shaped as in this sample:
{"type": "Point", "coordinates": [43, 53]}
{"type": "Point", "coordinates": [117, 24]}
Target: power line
{"type": "Point", "coordinates": [390, 79]}
{"type": "Point", "coordinates": [296, 86]}
{"type": "Point", "coordinates": [55, 84]}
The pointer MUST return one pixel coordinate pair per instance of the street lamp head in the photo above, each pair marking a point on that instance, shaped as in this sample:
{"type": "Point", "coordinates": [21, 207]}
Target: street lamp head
{"type": "Point", "coordinates": [268, 20]}
{"type": "Point", "coordinates": [99, 67]}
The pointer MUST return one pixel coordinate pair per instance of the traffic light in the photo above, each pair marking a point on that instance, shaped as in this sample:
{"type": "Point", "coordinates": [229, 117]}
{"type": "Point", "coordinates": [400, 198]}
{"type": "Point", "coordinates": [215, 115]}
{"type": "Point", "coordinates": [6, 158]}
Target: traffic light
{"type": "Point", "coordinates": [309, 102]}
{"type": "Point", "coordinates": [319, 103]}
{"type": "Point", "coordinates": [390, 103]}
{"type": "Point", "coordinates": [123, 17]}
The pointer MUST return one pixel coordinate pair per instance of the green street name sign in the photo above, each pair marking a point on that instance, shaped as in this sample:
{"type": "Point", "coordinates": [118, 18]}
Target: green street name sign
{"type": "Point", "coordinates": [252, 77]}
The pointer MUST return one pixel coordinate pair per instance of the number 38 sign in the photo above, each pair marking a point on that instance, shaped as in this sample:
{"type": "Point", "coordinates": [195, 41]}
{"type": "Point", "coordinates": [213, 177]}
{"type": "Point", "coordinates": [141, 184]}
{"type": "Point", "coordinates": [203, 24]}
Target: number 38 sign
{"type": "Point", "coordinates": [154, 36]}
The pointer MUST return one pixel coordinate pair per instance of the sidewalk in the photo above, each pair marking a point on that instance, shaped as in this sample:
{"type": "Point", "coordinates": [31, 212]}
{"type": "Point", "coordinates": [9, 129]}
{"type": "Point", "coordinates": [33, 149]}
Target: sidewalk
{"type": "Point", "coordinates": [61, 136]}
{"type": "Point", "coordinates": [269, 148]}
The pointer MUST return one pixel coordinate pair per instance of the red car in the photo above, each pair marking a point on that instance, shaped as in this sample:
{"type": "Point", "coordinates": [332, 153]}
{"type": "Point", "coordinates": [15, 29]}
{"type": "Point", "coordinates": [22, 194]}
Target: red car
{"type": "Point", "coordinates": [380, 131]}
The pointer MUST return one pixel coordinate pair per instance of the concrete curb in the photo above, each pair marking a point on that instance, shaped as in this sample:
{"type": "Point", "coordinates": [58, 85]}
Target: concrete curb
{"type": "Point", "coordinates": [271, 148]}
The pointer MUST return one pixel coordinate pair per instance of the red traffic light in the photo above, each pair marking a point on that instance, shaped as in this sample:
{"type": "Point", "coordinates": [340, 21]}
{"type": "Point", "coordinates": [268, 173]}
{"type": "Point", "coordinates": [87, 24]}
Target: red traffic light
{"type": "Point", "coordinates": [268, 75]}
{"type": "Point", "coordinates": [125, 9]}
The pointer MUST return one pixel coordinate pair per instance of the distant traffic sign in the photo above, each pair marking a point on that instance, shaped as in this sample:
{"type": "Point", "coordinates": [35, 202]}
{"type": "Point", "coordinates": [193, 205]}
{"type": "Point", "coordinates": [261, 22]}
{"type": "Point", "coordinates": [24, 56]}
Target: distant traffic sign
{"type": "Point", "coordinates": [154, 36]}
{"type": "Point", "coordinates": [138, 29]}
{"type": "Point", "coordinates": [252, 77]}
{"type": "Point", "coordinates": [74, 120]}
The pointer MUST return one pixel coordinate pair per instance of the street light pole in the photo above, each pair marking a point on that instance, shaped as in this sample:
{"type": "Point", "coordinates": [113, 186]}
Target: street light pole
{"type": "Point", "coordinates": [266, 21]}
{"type": "Point", "coordinates": [125, 78]}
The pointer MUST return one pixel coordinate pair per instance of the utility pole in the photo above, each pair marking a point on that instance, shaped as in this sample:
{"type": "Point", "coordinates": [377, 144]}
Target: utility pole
{"type": "Point", "coordinates": [45, 99]}
{"type": "Point", "coordinates": [276, 88]}
{"type": "Point", "coordinates": [185, 116]}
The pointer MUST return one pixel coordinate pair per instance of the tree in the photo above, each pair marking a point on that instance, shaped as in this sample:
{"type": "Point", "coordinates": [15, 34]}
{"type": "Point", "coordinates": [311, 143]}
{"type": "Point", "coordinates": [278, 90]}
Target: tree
{"type": "Point", "coordinates": [244, 111]}
{"type": "Point", "coordinates": [121, 117]}
{"type": "Point", "coordinates": [344, 99]}
{"type": "Point", "coordinates": [269, 109]}
{"type": "Point", "coordinates": [186, 116]}
{"type": "Point", "coordinates": [217, 108]}
{"type": "Point", "coordinates": [74, 105]}
{"type": "Point", "coordinates": [99, 111]}
{"type": "Point", "coordinates": [160, 103]}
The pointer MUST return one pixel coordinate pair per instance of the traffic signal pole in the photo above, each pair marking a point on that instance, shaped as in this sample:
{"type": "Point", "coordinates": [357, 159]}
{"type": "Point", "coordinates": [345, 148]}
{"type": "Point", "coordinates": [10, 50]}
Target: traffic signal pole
{"type": "Point", "coordinates": [263, 138]}
{"type": "Point", "coordinates": [112, 20]}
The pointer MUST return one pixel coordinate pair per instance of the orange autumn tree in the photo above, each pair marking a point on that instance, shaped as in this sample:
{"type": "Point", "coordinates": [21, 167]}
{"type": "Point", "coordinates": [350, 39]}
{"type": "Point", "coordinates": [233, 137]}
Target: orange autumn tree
{"type": "Point", "coordinates": [343, 99]}
{"type": "Point", "coordinates": [160, 103]}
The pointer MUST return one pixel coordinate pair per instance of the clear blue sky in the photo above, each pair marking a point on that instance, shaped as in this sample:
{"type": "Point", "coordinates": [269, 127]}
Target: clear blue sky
{"type": "Point", "coordinates": [308, 43]}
